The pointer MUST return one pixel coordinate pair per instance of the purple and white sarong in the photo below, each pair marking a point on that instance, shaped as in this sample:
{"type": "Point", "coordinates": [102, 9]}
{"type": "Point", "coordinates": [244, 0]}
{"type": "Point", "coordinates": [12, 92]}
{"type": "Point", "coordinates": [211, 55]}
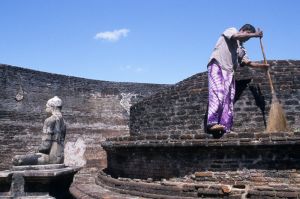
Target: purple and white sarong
{"type": "Point", "coordinates": [221, 88]}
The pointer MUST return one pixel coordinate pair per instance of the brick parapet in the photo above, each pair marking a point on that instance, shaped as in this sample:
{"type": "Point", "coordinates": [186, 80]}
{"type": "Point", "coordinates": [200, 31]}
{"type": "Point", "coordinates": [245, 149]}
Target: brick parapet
{"type": "Point", "coordinates": [93, 110]}
{"type": "Point", "coordinates": [183, 106]}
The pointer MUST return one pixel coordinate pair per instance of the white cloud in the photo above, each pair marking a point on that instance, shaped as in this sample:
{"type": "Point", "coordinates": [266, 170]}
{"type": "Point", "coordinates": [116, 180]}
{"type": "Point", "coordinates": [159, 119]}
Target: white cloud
{"type": "Point", "coordinates": [139, 69]}
{"type": "Point", "coordinates": [112, 36]}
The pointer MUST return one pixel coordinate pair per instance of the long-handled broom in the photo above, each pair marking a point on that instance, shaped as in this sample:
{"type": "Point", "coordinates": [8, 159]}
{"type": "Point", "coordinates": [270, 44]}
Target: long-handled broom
{"type": "Point", "coordinates": [276, 121]}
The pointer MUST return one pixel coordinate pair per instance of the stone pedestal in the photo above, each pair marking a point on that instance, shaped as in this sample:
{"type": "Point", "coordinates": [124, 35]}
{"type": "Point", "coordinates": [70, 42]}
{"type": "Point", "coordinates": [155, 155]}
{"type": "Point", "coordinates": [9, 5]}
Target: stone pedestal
{"type": "Point", "coordinates": [37, 181]}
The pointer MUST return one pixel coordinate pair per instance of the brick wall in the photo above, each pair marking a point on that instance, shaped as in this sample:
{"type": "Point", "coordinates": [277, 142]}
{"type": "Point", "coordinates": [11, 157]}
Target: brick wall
{"type": "Point", "coordinates": [93, 110]}
{"type": "Point", "coordinates": [157, 158]}
{"type": "Point", "coordinates": [182, 107]}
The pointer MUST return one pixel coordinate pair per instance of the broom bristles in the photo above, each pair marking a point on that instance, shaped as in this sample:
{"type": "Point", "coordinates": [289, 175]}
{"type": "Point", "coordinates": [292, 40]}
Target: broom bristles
{"type": "Point", "coordinates": [276, 121]}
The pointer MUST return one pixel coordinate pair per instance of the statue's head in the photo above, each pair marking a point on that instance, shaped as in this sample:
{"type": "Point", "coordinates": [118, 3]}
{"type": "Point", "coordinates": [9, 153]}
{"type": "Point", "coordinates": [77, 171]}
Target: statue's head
{"type": "Point", "coordinates": [53, 104]}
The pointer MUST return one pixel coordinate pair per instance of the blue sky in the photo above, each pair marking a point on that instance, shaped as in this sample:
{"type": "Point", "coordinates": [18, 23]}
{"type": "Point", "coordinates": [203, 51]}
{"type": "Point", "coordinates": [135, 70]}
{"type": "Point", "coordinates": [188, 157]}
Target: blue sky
{"type": "Point", "coordinates": [150, 41]}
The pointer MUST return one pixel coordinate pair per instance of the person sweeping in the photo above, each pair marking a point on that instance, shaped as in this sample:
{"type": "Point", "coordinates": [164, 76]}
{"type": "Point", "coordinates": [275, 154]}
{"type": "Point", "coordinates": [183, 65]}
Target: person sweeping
{"type": "Point", "coordinates": [228, 54]}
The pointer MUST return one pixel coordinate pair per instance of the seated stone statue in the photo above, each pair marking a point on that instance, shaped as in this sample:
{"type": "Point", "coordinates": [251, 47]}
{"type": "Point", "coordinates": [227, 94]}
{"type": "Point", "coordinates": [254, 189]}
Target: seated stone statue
{"type": "Point", "coordinates": [51, 150]}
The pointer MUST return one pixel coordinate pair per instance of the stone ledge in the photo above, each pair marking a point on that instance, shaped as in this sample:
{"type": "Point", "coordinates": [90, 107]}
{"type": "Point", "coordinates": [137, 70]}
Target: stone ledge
{"type": "Point", "coordinates": [5, 174]}
{"type": "Point", "coordinates": [205, 140]}
{"type": "Point", "coordinates": [184, 136]}
{"type": "Point", "coordinates": [38, 167]}
{"type": "Point", "coordinates": [47, 172]}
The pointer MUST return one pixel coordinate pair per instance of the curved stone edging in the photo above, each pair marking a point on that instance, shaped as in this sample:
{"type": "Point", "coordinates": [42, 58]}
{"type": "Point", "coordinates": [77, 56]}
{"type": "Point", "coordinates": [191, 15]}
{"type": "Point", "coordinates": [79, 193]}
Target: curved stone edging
{"type": "Point", "coordinates": [171, 190]}
{"type": "Point", "coordinates": [153, 190]}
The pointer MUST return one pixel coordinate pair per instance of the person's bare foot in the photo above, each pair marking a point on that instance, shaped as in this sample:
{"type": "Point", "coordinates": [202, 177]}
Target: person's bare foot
{"type": "Point", "coordinates": [217, 127]}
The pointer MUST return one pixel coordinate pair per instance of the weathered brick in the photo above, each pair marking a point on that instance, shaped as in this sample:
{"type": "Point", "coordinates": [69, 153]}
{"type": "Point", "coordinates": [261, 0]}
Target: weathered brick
{"type": "Point", "coordinates": [251, 108]}
{"type": "Point", "coordinates": [93, 110]}
{"type": "Point", "coordinates": [203, 174]}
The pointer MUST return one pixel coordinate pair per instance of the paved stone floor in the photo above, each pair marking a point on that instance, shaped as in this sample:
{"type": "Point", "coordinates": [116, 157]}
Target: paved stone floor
{"type": "Point", "coordinates": [188, 187]}
{"type": "Point", "coordinates": [84, 187]}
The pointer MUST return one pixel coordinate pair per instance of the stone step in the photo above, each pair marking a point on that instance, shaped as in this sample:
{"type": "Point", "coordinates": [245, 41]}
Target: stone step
{"type": "Point", "coordinates": [249, 176]}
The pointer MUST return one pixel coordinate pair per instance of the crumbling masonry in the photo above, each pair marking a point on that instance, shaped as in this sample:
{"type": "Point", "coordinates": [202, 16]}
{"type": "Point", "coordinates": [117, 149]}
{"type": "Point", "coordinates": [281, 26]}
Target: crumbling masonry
{"type": "Point", "coordinates": [161, 149]}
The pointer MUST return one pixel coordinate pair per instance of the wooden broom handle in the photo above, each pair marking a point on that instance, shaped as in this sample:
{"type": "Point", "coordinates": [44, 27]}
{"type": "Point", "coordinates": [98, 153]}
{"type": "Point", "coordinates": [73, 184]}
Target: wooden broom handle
{"type": "Point", "coordinates": [268, 72]}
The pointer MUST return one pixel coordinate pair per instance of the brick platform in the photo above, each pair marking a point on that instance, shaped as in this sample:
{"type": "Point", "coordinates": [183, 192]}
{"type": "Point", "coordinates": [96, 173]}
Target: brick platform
{"type": "Point", "coordinates": [245, 165]}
